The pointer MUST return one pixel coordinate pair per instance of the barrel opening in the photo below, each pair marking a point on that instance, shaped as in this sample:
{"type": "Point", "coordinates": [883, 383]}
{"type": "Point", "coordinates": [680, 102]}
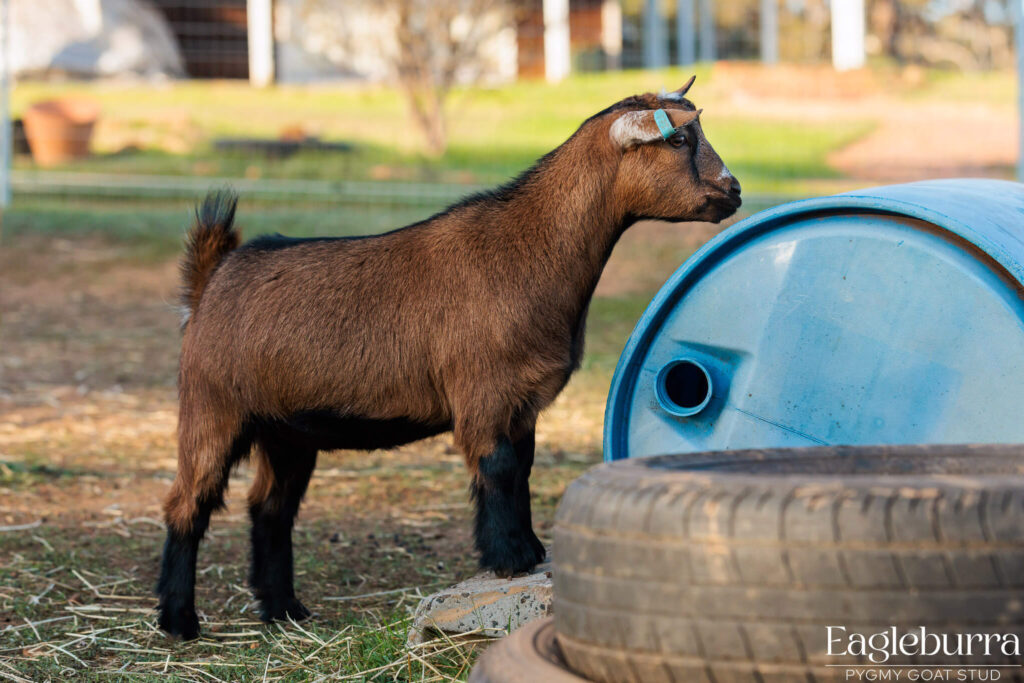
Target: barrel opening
{"type": "Point", "coordinates": [684, 387]}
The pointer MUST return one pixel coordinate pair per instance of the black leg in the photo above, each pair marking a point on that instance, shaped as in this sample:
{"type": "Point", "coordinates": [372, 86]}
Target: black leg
{"type": "Point", "coordinates": [197, 491]}
{"type": "Point", "coordinates": [502, 531]}
{"type": "Point", "coordinates": [525, 447]}
{"type": "Point", "coordinates": [271, 575]}
{"type": "Point", "coordinates": [176, 587]}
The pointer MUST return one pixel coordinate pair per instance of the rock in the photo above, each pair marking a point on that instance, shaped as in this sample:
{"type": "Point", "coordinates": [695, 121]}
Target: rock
{"type": "Point", "coordinates": [92, 38]}
{"type": "Point", "coordinates": [486, 603]}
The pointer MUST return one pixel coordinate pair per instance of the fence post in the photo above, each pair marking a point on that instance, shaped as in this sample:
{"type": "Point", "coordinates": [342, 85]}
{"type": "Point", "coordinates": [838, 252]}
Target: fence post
{"type": "Point", "coordinates": [655, 45]}
{"type": "Point", "coordinates": [557, 54]}
{"type": "Point", "coordinates": [686, 43]}
{"type": "Point", "coordinates": [6, 143]}
{"type": "Point", "coordinates": [707, 31]}
{"type": "Point", "coordinates": [847, 34]}
{"type": "Point", "coordinates": [770, 31]}
{"type": "Point", "coordinates": [611, 33]}
{"type": "Point", "coordinates": [260, 19]}
{"type": "Point", "coordinates": [1018, 7]}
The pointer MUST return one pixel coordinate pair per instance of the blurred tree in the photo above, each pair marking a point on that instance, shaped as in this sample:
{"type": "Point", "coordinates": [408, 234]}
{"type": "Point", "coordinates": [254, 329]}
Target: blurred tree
{"type": "Point", "coordinates": [438, 43]}
{"type": "Point", "coordinates": [425, 46]}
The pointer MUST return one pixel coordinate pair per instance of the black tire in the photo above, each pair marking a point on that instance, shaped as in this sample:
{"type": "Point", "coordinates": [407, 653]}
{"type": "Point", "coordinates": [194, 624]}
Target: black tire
{"type": "Point", "coordinates": [729, 566]}
{"type": "Point", "coordinates": [528, 655]}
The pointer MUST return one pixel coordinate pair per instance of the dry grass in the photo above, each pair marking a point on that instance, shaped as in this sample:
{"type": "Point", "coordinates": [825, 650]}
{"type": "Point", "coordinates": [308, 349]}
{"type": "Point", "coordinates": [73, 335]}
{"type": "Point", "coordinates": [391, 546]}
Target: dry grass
{"type": "Point", "coordinates": [378, 532]}
{"type": "Point", "coordinates": [112, 635]}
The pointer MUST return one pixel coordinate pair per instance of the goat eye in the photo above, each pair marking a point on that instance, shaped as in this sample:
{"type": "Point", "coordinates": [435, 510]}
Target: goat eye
{"type": "Point", "coordinates": [677, 140]}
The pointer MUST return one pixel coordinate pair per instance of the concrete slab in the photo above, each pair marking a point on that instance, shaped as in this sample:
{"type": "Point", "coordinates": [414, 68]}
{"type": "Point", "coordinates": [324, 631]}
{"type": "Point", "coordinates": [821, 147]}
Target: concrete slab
{"type": "Point", "coordinates": [486, 603]}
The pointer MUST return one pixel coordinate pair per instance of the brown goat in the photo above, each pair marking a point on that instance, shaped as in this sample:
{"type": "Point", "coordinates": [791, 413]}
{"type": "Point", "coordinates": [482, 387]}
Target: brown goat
{"type": "Point", "coordinates": [471, 321]}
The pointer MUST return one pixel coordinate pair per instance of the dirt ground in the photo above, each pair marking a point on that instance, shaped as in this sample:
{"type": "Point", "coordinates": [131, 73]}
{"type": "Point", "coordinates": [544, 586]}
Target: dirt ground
{"type": "Point", "coordinates": [934, 141]}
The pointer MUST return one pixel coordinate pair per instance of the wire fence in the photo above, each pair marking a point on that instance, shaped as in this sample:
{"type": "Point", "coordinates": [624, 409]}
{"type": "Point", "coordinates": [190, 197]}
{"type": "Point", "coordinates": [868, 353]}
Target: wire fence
{"type": "Point", "coordinates": [345, 192]}
{"type": "Point", "coordinates": [65, 151]}
{"type": "Point", "coordinates": [6, 129]}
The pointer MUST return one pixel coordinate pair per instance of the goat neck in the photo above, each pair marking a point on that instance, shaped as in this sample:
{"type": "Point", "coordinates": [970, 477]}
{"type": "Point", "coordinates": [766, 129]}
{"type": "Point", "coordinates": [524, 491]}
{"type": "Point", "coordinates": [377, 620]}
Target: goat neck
{"type": "Point", "coordinates": [563, 218]}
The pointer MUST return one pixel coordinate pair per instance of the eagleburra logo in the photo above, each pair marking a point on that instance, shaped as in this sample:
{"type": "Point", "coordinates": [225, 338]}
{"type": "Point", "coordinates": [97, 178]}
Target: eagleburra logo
{"type": "Point", "coordinates": [880, 647]}
{"type": "Point", "coordinates": [969, 656]}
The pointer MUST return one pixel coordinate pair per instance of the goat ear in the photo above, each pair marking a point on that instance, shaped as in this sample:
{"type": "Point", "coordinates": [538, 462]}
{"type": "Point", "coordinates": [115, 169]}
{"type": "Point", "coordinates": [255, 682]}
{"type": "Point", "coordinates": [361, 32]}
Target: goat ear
{"type": "Point", "coordinates": [686, 88]}
{"type": "Point", "coordinates": [638, 127]}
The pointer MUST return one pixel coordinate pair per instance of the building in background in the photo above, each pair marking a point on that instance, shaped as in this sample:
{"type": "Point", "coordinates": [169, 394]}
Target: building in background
{"type": "Point", "coordinates": [316, 40]}
{"type": "Point", "coordinates": [595, 36]}
{"type": "Point", "coordinates": [311, 40]}
{"type": "Point", "coordinates": [92, 38]}
{"type": "Point", "coordinates": [212, 35]}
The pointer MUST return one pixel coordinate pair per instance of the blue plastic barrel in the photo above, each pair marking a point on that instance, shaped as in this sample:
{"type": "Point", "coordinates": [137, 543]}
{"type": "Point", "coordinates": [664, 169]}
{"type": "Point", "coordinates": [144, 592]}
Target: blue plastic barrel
{"type": "Point", "coordinates": [882, 316]}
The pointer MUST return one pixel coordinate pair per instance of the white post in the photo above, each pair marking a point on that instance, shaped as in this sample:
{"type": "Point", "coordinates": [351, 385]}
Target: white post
{"type": "Point", "coordinates": [611, 33]}
{"type": "Point", "coordinates": [260, 18]}
{"type": "Point", "coordinates": [655, 43]}
{"type": "Point", "coordinates": [90, 13]}
{"type": "Point", "coordinates": [847, 34]}
{"type": "Point", "coordinates": [686, 42]}
{"type": "Point", "coordinates": [557, 61]}
{"type": "Point", "coordinates": [707, 31]}
{"type": "Point", "coordinates": [1018, 6]}
{"type": "Point", "coordinates": [5, 105]}
{"type": "Point", "coordinates": [770, 31]}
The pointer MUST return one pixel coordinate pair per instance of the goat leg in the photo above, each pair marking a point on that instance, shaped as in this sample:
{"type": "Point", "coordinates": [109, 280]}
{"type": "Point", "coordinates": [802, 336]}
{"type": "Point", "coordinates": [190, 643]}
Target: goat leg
{"type": "Point", "coordinates": [504, 538]}
{"type": "Point", "coordinates": [176, 587]}
{"type": "Point", "coordinates": [525, 447]}
{"type": "Point", "coordinates": [282, 477]}
{"type": "Point", "coordinates": [198, 490]}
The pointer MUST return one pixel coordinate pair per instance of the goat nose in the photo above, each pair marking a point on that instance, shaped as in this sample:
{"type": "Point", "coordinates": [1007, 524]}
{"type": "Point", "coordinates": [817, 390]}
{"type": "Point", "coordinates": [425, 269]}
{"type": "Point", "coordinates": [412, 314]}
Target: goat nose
{"type": "Point", "coordinates": [734, 186]}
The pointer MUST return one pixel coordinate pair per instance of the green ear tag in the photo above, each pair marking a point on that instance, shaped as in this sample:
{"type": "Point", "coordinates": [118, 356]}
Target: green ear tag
{"type": "Point", "coordinates": [664, 125]}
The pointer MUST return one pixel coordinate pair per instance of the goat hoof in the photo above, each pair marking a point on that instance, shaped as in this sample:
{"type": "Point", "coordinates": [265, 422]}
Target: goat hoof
{"type": "Point", "coordinates": [283, 610]}
{"type": "Point", "coordinates": [184, 625]}
{"type": "Point", "coordinates": [518, 556]}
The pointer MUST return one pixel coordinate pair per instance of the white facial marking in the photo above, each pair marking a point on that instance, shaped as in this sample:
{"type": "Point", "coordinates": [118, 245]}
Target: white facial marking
{"type": "Point", "coordinates": [634, 128]}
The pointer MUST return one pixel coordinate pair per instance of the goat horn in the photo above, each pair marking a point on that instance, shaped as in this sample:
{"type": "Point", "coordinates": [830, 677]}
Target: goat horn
{"type": "Point", "coordinates": [682, 91]}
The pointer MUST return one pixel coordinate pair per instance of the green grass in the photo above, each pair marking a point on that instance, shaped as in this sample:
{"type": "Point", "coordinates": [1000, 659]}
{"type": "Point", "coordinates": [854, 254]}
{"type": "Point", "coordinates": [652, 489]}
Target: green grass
{"type": "Point", "coordinates": [787, 158]}
{"type": "Point", "coordinates": [994, 88]}
{"type": "Point", "coordinates": [526, 113]}
{"type": "Point", "coordinates": [155, 229]}
{"type": "Point", "coordinates": [495, 132]}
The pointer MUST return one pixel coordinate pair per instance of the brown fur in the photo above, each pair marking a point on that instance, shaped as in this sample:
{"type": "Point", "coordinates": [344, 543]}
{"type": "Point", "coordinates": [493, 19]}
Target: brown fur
{"type": "Point", "coordinates": [473, 318]}
{"type": "Point", "coordinates": [471, 321]}
{"type": "Point", "coordinates": [210, 239]}
{"type": "Point", "coordinates": [263, 482]}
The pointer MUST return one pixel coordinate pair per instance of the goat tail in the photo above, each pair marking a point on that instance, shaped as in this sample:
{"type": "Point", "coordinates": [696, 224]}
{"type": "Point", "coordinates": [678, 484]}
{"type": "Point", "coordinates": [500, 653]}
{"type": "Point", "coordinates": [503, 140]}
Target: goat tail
{"type": "Point", "coordinates": [212, 236]}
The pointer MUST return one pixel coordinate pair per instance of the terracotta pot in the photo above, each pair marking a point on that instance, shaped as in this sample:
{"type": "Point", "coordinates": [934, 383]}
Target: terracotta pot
{"type": "Point", "coordinates": [60, 130]}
